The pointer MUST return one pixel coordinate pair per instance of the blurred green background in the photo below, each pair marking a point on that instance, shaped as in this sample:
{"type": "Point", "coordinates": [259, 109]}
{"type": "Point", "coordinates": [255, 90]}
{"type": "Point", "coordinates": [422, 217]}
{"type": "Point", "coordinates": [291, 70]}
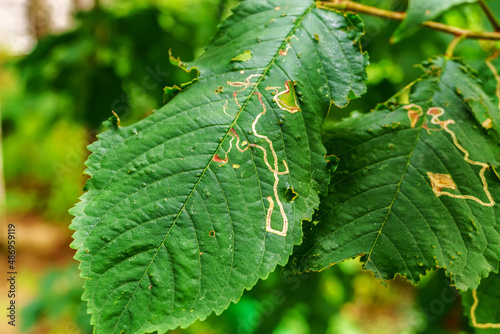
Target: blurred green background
{"type": "Point", "coordinates": [115, 58]}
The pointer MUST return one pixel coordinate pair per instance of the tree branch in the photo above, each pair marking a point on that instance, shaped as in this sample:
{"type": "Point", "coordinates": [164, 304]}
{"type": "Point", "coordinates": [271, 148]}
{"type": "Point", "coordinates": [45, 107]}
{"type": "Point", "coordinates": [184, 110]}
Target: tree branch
{"type": "Point", "coordinates": [453, 45]}
{"type": "Point", "coordinates": [491, 17]}
{"type": "Point", "coordinates": [399, 16]}
{"type": "Point", "coordinates": [360, 8]}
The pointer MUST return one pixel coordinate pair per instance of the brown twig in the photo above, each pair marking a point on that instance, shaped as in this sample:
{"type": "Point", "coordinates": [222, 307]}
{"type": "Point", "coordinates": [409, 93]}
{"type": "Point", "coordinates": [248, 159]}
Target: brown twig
{"type": "Point", "coordinates": [399, 16]}
{"type": "Point", "coordinates": [489, 14]}
{"type": "Point", "coordinates": [453, 44]}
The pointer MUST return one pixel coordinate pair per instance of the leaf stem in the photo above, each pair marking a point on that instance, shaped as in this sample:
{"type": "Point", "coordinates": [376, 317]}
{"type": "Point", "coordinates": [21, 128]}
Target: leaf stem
{"type": "Point", "coordinates": [399, 16]}
{"type": "Point", "coordinates": [489, 14]}
{"type": "Point", "coordinates": [493, 70]}
{"type": "Point", "coordinates": [453, 44]}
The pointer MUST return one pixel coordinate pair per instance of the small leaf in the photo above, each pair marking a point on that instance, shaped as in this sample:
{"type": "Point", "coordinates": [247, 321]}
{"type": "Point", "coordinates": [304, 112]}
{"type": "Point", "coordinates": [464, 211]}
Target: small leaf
{"type": "Point", "coordinates": [415, 188]}
{"type": "Point", "coordinates": [420, 11]}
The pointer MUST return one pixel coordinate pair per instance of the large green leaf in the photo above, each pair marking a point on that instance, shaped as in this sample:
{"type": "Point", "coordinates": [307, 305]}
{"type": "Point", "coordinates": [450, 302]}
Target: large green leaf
{"type": "Point", "coordinates": [481, 306]}
{"type": "Point", "coordinates": [416, 187]}
{"type": "Point", "coordinates": [195, 203]}
{"type": "Point", "coordinates": [420, 11]}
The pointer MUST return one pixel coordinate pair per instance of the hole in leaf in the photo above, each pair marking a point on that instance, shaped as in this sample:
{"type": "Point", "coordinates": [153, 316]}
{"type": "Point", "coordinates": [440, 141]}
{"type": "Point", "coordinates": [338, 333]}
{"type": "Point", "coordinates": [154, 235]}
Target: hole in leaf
{"type": "Point", "coordinates": [290, 195]}
{"type": "Point", "coordinates": [332, 162]}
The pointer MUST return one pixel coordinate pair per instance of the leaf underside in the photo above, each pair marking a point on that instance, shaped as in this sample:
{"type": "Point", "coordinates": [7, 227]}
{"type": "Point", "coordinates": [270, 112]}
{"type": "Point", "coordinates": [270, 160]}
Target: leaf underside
{"type": "Point", "coordinates": [187, 208]}
{"type": "Point", "coordinates": [416, 186]}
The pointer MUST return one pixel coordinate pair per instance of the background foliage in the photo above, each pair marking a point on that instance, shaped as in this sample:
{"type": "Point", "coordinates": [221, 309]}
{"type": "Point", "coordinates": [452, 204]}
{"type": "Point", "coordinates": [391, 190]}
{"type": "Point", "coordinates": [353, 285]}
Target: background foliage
{"type": "Point", "coordinates": [116, 58]}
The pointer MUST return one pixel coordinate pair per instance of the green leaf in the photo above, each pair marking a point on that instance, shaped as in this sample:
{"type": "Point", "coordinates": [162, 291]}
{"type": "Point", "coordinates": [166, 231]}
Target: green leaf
{"type": "Point", "coordinates": [489, 73]}
{"type": "Point", "coordinates": [192, 205]}
{"type": "Point", "coordinates": [415, 188]}
{"type": "Point", "coordinates": [494, 7]}
{"type": "Point", "coordinates": [488, 115]}
{"type": "Point", "coordinates": [246, 55]}
{"type": "Point", "coordinates": [420, 11]}
{"type": "Point", "coordinates": [481, 306]}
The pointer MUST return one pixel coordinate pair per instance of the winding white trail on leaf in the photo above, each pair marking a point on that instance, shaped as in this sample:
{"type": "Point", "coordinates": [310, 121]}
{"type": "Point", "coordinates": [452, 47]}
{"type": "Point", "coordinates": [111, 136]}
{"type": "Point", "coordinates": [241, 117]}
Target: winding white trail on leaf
{"type": "Point", "coordinates": [244, 145]}
{"type": "Point", "coordinates": [440, 181]}
{"type": "Point", "coordinates": [436, 112]}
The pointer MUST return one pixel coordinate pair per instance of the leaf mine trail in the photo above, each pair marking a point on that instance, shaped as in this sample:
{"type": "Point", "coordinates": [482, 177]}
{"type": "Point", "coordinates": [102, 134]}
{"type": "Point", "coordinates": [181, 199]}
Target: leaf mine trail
{"type": "Point", "coordinates": [286, 100]}
{"type": "Point", "coordinates": [473, 315]}
{"type": "Point", "coordinates": [445, 181]}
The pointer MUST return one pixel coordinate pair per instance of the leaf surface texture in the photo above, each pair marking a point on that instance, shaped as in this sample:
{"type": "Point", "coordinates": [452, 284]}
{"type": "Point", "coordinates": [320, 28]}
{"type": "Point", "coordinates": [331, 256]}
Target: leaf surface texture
{"type": "Point", "coordinates": [416, 187]}
{"type": "Point", "coordinates": [187, 208]}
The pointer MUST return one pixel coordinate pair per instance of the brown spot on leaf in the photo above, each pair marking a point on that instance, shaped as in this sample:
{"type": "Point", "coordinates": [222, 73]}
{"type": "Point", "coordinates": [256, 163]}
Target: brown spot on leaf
{"type": "Point", "coordinates": [440, 181]}
{"type": "Point", "coordinates": [487, 124]}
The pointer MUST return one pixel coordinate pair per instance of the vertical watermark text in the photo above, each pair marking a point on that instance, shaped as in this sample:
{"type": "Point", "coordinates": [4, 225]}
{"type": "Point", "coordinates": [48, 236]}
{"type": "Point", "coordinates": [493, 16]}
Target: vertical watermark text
{"type": "Point", "coordinates": [11, 274]}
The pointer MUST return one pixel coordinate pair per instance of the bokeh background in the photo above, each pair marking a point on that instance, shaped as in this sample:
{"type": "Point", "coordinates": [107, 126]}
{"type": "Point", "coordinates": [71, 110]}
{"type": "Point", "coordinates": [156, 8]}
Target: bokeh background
{"type": "Point", "coordinates": [66, 64]}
